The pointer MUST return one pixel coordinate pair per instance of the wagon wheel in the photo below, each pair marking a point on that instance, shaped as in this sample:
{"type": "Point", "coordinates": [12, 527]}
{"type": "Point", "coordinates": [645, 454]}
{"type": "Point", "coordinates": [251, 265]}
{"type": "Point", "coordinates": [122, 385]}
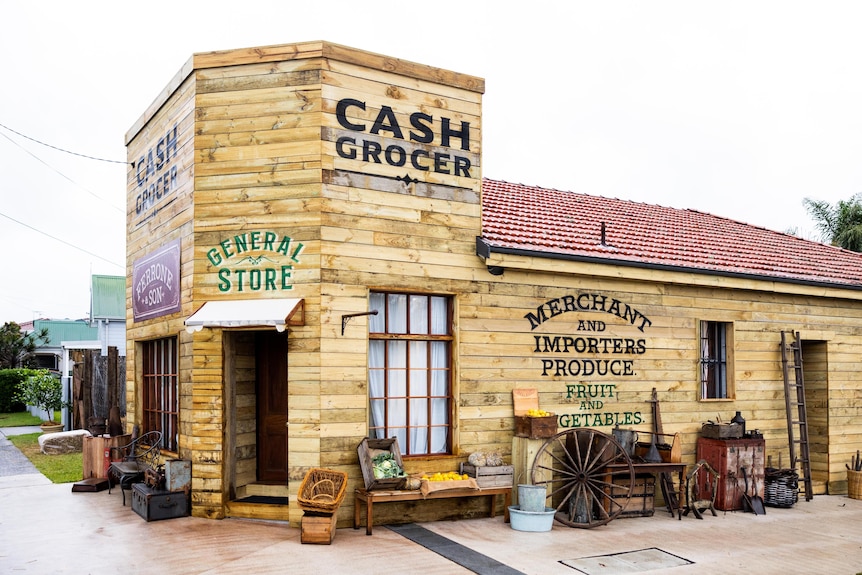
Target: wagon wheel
{"type": "Point", "coordinates": [590, 476]}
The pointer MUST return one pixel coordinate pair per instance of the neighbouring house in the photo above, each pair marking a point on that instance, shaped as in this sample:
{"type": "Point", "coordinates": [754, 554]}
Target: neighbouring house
{"type": "Point", "coordinates": [71, 341]}
{"type": "Point", "coordinates": [314, 257]}
{"type": "Point", "coordinates": [49, 355]}
{"type": "Point", "coordinates": [108, 311]}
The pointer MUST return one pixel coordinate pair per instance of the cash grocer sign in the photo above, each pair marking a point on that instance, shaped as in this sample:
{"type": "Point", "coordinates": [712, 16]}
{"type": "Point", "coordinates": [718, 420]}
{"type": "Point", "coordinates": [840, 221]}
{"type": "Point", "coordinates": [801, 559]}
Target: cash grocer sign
{"type": "Point", "coordinates": [156, 283]}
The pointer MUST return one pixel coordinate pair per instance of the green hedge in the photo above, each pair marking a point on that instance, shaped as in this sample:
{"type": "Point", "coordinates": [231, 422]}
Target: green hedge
{"type": "Point", "coordinates": [10, 382]}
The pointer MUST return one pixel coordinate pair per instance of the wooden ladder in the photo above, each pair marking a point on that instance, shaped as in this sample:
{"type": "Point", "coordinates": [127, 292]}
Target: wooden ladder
{"type": "Point", "coordinates": [797, 417]}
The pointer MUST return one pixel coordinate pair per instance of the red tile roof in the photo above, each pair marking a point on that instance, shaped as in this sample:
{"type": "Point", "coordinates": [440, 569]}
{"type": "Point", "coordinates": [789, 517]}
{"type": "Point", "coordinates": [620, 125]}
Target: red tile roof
{"type": "Point", "coordinates": [558, 224]}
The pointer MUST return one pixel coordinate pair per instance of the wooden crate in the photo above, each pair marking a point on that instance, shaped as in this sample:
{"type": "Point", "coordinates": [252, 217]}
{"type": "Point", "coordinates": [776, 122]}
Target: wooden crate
{"type": "Point", "coordinates": [95, 454]}
{"type": "Point", "coordinates": [721, 430]}
{"type": "Point", "coordinates": [368, 448]}
{"type": "Point", "coordinates": [317, 529]}
{"type": "Point", "coordinates": [524, 400]}
{"type": "Point", "coordinates": [535, 427]}
{"type": "Point", "coordinates": [642, 502]}
{"type": "Point", "coordinates": [490, 476]}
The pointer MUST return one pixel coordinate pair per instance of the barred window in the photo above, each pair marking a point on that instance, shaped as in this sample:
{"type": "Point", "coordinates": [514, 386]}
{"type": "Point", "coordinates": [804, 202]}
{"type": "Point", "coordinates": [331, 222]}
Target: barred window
{"type": "Point", "coordinates": [160, 395]}
{"type": "Point", "coordinates": [410, 371]}
{"type": "Point", "coordinates": [715, 360]}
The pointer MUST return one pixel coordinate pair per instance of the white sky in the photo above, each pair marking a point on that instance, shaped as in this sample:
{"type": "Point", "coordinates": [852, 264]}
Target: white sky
{"type": "Point", "coordinates": [739, 109]}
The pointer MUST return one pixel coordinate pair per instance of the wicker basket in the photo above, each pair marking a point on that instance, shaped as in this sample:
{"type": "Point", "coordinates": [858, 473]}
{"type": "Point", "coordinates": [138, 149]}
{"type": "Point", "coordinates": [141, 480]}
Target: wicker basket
{"type": "Point", "coordinates": [854, 484]}
{"type": "Point", "coordinates": [781, 487]}
{"type": "Point", "coordinates": [322, 490]}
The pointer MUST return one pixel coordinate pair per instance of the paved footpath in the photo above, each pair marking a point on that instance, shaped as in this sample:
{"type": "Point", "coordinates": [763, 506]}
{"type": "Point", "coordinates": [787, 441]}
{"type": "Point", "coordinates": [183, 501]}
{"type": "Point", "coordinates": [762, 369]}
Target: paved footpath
{"type": "Point", "coordinates": [46, 529]}
{"type": "Point", "coordinates": [15, 468]}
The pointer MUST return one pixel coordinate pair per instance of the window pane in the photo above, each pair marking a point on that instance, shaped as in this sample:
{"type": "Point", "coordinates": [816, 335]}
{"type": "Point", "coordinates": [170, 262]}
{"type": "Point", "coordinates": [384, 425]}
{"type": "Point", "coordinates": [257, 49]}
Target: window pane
{"type": "Point", "coordinates": [439, 440]}
{"type": "Point", "coordinates": [439, 315]}
{"type": "Point", "coordinates": [418, 368]}
{"type": "Point", "coordinates": [401, 435]}
{"type": "Point", "coordinates": [418, 314]}
{"type": "Point", "coordinates": [397, 411]}
{"type": "Point", "coordinates": [397, 311]}
{"type": "Point", "coordinates": [377, 323]}
{"type": "Point", "coordinates": [439, 414]}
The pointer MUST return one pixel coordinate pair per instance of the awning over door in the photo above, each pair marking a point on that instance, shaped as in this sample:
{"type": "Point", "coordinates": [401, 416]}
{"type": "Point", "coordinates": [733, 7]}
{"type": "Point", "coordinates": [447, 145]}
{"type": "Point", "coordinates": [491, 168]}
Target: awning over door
{"type": "Point", "coordinates": [277, 313]}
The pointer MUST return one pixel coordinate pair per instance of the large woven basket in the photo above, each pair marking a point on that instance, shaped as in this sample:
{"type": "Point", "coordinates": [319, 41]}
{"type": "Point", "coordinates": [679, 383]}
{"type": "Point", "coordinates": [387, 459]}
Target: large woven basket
{"type": "Point", "coordinates": [854, 484]}
{"type": "Point", "coordinates": [781, 487]}
{"type": "Point", "coordinates": [322, 490]}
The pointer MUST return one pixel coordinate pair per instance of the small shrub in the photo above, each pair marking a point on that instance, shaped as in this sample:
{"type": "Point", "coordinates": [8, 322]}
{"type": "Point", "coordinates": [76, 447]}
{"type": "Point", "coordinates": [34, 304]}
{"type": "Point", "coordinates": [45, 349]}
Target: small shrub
{"type": "Point", "coordinates": [11, 381]}
{"type": "Point", "coordinates": [43, 390]}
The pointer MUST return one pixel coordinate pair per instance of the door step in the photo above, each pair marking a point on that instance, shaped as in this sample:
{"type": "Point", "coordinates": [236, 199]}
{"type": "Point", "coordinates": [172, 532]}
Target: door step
{"type": "Point", "coordinates": [248, 510]}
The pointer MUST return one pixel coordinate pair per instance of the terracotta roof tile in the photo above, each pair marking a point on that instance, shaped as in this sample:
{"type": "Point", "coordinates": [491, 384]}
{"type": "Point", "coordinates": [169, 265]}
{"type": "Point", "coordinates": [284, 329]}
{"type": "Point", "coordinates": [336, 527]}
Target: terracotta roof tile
{"type": "Point", "coordinates": [567, 224]}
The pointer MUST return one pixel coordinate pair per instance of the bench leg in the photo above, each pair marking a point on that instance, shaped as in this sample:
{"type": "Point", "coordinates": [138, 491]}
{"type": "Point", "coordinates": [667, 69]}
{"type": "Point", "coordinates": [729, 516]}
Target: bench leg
{"type": "Point", "coordinates": [369, 515]}
{"type": "Point", "coordinates": [356, 505]}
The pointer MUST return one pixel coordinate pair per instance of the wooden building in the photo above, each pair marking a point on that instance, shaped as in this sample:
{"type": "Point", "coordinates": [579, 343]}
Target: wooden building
{"type": "Point", "coordinates": [314, 258]}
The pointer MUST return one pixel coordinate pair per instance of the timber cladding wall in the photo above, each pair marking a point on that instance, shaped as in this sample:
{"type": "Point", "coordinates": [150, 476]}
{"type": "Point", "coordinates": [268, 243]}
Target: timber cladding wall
{"type": "Point", "coordinates": [281, 157]}
{"type": "Point", "coordinates": [596, 364]}
{"type": "Point", "coordinates": [379, 231]}
{"type": "Point", "coordinates": [319, 172]}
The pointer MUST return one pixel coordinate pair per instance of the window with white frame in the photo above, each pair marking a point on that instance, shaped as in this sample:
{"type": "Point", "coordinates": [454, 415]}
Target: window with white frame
{"type": "Point", "coordinates": [410, 371]}
{"type": "Point", "coordinates": [716, 366]}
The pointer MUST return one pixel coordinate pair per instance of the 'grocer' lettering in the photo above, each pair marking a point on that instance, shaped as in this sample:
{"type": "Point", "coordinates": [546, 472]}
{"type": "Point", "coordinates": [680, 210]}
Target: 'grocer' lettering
{"type": "Point", "coordinates": [420, 130]}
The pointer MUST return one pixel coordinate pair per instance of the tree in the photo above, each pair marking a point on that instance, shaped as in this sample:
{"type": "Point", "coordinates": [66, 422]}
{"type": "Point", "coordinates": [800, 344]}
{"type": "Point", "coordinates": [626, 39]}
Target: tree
{"type": "Point", "coordinates": [841, 224]}
{"type": "Point", "coordinates": [18, 349]}
{"type": "Point", "coordinates": [43, 390]}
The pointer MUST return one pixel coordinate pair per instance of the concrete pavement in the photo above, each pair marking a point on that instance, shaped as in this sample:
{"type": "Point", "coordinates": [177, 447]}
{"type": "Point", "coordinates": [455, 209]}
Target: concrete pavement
{"type": "Point", "coordinates": [47, 529]}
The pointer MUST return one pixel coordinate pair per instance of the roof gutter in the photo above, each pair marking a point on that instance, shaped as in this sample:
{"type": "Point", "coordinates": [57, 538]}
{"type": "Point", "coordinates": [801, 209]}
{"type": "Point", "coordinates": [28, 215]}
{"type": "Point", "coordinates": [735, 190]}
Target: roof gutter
{"type": "Point", "coordinates": [484, 251]}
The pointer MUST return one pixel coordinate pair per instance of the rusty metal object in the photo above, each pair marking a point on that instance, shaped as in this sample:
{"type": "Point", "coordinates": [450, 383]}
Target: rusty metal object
{"type": "Point", "coordinates": [154, 478]}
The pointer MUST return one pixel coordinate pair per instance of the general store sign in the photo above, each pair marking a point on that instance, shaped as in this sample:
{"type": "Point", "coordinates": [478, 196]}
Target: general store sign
{"type": "Point", "coordinates": [255, 261]}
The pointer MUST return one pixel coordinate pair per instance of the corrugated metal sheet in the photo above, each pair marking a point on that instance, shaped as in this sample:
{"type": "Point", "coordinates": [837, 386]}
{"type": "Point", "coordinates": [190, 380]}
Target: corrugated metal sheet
{"type": "Point", "coordinates": [108, 298]}
{"type": "Point", "coordinates": [60, 330]}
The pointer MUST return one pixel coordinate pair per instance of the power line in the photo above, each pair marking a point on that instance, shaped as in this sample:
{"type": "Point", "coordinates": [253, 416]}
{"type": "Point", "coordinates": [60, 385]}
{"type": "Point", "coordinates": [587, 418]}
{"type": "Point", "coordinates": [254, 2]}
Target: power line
{"type": "Point", "coordinates": [61, 241]}
{"type": "Point", "coordinates": [61, 149]}
{"type": "Point", "coordinates": [98, 197]}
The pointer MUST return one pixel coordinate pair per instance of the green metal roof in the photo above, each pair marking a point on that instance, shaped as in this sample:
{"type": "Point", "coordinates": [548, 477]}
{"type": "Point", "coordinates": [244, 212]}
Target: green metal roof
{"type": "Point", "coordinates": [108, 298]}
{"type": "Point", "coordinates": [60, 330]}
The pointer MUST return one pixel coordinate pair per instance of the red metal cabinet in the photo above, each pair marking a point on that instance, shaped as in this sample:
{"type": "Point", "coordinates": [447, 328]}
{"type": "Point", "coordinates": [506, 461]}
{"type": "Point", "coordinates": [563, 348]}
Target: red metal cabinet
{"type": "Point", "coordinates": [728, 457]}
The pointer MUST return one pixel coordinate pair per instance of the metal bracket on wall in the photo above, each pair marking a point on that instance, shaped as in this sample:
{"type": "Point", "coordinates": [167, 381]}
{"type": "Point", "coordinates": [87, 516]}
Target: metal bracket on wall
{"type": "Point", "coordinates": [348, 316]}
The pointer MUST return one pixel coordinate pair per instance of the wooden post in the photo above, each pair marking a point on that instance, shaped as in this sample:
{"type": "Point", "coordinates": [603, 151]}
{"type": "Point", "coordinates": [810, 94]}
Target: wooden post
{"type": "Point", "coordinates": [524, 452]}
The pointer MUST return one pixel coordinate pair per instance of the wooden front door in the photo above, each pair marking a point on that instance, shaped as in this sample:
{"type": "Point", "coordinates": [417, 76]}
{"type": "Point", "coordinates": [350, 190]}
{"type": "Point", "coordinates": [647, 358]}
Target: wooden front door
{"type": "Point", "coordinates": [271, 358]}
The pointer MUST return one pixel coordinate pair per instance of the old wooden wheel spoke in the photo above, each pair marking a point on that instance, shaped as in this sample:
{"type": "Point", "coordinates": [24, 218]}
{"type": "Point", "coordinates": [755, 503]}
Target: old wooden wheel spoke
{"type": "Point", "coordinates": [590, 476]}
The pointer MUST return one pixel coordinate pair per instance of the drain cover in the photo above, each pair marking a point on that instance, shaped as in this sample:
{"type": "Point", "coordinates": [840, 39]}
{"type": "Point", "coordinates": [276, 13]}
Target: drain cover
{"type": "Point", "coordinates": [626, 562]}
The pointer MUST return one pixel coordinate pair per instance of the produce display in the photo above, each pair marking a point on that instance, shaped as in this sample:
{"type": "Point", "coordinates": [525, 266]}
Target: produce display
{"type": "Point", "coordinates": [384, 466]}
{"type": "Point", "coordinates": [448, 476]}
{"type": "Point", "coordinates": [538, 413]}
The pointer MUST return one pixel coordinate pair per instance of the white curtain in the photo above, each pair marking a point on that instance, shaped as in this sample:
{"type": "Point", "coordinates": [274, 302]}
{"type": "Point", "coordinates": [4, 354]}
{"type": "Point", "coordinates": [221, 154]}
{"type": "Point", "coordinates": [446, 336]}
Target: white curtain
{"type": "Point", "coordinates": [424, 383]}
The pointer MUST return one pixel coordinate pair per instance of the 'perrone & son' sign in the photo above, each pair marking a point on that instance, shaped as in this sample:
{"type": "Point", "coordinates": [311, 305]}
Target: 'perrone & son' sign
{"type": "Point", "coordinates": [156, 283]}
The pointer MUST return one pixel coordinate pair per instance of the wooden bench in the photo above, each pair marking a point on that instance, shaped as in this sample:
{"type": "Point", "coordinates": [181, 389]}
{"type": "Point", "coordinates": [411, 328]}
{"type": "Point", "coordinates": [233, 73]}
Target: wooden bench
{"type": "Point", "coordinates": [370, 497]}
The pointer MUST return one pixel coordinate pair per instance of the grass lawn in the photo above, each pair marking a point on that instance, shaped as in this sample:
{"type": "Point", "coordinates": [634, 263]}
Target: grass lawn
{"type": "Point", "coordinates": [65, 468]}
{"type": "Point", "coordinates": [18, 419]}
